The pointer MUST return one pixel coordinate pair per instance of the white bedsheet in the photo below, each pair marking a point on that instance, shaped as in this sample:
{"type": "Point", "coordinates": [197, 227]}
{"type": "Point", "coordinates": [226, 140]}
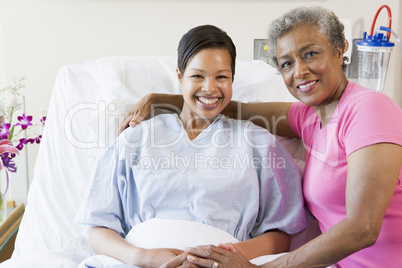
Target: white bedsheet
{"type": "Point", "coordinates": [44, 260]}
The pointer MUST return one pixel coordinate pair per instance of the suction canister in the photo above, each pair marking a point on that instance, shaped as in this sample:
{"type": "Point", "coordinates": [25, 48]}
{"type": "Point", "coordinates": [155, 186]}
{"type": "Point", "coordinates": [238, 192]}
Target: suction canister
{"type": "Point", "coordinates": [374, 52]}
{"type": "Point", "coordinates": [374, 55]}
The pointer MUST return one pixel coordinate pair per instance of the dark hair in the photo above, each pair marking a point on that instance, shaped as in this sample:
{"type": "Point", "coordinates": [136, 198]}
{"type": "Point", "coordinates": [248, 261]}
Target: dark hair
{"type": "Point", "coordinates": [203, 37]}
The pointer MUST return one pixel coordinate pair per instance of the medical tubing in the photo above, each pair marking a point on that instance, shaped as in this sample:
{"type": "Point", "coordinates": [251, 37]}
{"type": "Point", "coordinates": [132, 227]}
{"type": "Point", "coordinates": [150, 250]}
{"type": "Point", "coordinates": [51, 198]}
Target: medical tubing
{"type": "Point", "coordinates": [398, 40]}
{"type": "Point", "coordinates": [389, 19]}
{"type": "Point", "coordinates": [383, 28]}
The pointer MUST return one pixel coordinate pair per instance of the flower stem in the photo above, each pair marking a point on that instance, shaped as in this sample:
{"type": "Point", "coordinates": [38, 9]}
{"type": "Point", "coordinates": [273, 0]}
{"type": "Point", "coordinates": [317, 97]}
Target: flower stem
{"type": "Point", "coordinates": [10, 136]}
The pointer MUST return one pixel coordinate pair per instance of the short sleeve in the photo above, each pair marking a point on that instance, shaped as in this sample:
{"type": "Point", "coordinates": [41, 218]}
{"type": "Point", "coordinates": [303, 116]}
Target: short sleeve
{"type": "Point", "coordinates": [298, 113]}
{"type": "Point", "coordinates": [281, 198]}
{"type": "Point", "coordinates": [370, 118]}
{"type": "Point", "coordinates": [101, 204]}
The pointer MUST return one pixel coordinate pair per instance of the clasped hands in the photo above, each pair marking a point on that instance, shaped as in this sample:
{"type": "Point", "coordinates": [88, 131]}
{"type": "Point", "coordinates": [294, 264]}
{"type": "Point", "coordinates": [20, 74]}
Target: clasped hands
{"type": "Point", "coordinates": [224, 255]}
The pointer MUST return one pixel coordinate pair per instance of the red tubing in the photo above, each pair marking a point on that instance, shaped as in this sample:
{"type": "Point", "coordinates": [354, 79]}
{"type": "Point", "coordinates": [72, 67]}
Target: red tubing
{"type": "Point", "coordinates": [389, 18]}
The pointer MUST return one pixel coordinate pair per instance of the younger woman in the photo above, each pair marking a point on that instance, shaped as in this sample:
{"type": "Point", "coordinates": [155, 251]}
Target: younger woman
{"type": "Point", "coordinates": [197, 166]}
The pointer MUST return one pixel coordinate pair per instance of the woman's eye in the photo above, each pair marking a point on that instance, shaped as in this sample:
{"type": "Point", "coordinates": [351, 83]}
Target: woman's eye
{"type": "Point", "coordinates": [222, 77]}
{"type": "Point", "coordinates": [285, 65]}
{"type": "Point", "coordinates": [197, 76]}
{"type": "Point", "coordinates": [309, 54]}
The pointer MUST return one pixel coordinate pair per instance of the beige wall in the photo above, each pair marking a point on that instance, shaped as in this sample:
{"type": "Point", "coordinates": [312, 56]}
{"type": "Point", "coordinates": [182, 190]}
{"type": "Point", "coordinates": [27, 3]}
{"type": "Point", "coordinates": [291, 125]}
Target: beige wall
{"type": "Point", "coordinates": [37, 37]}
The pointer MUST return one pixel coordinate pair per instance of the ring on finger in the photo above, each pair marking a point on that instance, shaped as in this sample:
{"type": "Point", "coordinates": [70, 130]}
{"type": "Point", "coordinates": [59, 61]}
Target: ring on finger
{"type": "Point", "coordinates": [215, 265]}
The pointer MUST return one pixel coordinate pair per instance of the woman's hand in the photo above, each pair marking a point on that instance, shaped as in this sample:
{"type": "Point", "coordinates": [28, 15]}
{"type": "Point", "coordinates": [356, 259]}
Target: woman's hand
{"type": "Point", "coordinates": [136, 114]}
{"type": "Point", "coordinates": [146, 104]}
{"type": "Point", "coordinates": [158, 256]}
{"type": "Point", "coordinates": [213, 257]}
{"type": "Point", "coordinates": [228, 246]}
{"type": "Point", "coordinates": [179, 261]}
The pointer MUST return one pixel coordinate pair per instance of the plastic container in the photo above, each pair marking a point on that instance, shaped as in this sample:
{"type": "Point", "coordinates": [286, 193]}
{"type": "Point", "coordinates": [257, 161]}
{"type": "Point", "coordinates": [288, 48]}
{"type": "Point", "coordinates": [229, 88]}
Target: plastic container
{"type": "Point", "coordinates": [374, 54]}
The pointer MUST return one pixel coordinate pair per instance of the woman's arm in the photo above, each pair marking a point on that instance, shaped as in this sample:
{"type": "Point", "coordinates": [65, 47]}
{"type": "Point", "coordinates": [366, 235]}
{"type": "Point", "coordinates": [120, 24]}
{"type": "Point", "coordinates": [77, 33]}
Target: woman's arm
{"type": "Point", "coordinates": [238, 255]}
{"type": "Point", "coordinates": [270, 115]}
{"type": "Point", "coordinates": [372, 177]}
{"type": "Point", "coordinates": [271, 242]}
{"type": "Point", "coordinates": [108, 242]}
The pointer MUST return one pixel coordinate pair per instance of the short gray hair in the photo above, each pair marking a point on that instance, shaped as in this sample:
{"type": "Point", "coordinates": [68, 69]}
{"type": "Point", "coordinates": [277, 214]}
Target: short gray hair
{"type": "Point", "coordinates": [326, 20]}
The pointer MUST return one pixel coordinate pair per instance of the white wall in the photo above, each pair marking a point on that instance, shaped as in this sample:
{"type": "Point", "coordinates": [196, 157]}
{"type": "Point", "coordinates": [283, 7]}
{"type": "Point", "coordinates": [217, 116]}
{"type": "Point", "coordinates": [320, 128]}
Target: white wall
{"type": "Point", "coordinates": [37, 37]}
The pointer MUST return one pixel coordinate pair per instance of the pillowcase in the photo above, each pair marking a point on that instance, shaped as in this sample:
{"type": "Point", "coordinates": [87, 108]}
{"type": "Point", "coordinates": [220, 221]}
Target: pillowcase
{"type": "Point", "coordinates": [128, 78]}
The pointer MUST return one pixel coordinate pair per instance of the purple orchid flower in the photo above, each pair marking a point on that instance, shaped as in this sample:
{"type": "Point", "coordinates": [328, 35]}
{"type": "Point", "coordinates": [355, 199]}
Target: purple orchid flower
{"type": "Point", "coordinates": [5, 130]}
{"type": "Point", "coordinates": [43, 120]}
{"type": "Point", "coordinates": [37, 139]}
{"type": "Point", "coordinates": [25, 121]}
{"type": "Point", "coordinates": [21, 144]}
{"type": "Point", "coordinates": [7, 152]}
{"type": "Point", "coordinates": [24, 141]}
{"type": "Point", "coordinates": [6, 160]}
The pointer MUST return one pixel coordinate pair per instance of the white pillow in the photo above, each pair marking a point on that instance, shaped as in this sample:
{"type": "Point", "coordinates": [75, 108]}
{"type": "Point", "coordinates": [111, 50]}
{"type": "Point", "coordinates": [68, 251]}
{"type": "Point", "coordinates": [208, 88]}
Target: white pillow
{"type": "Point", "coordinates": [168, 233]}
{"type": "Point", "coordinates": [131, 78]}
{"type": "Point", "coordinates": [62, 168]}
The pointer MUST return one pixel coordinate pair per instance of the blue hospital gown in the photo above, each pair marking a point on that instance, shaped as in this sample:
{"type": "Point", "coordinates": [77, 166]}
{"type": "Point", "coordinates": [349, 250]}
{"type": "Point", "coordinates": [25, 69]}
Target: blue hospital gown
{"type": "Point", "coordinates": [234, 176]}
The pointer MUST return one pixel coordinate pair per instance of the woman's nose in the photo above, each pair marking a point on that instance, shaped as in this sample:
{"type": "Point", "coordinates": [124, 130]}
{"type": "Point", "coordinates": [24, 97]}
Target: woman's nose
{"type": "Point", "coordinates": [209, 86]}
{"type": "Point", "coordinates": [300, 69]}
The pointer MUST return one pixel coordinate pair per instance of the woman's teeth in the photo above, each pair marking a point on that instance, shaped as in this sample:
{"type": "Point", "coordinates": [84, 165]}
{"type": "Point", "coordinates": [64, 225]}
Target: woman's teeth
{"type": "Point", "coordinates": [306, 85]}
{"type": "Point", "coordinates": [208, 100]}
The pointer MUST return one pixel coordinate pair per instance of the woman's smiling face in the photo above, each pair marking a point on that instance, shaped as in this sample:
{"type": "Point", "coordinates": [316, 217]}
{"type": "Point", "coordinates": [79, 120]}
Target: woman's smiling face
{"type": "Point", "coordinates": [206, 84]}
{"type": "Point", "coordinates": [310, 67]}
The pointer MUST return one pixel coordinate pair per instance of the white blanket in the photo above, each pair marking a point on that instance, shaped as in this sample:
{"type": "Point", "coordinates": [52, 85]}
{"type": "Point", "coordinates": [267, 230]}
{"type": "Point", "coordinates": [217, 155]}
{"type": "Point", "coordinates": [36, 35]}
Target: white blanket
{"type": "Point", "coordinates": [162, 233]}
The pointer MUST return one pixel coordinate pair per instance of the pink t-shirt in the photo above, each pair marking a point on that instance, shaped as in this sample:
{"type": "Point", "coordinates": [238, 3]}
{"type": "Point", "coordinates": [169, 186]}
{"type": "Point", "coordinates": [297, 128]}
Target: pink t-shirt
{"type": "Point", "coordinates": [362, 117]}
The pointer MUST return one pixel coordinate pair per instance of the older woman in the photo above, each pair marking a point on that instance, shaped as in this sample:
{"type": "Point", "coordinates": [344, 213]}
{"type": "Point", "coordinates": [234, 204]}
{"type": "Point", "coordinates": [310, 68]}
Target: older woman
{"type": "Point", "coordinates": [353, 135]}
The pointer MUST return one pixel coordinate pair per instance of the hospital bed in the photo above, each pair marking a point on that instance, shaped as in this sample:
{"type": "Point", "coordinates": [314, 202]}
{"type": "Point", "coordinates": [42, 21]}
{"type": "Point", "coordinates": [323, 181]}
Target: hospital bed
{"type": "Point", "coordinates": [88, 102]}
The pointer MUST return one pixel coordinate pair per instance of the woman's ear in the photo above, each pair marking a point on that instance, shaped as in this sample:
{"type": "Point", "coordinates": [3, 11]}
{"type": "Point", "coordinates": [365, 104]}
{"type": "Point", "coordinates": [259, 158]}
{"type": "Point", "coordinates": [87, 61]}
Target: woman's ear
{"type": "Point", "coordinates": [346, 45]}
{"type": "Point", "coordinates": [178, 74]}
{"type": "Point", "coordinates": [339, 54]}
